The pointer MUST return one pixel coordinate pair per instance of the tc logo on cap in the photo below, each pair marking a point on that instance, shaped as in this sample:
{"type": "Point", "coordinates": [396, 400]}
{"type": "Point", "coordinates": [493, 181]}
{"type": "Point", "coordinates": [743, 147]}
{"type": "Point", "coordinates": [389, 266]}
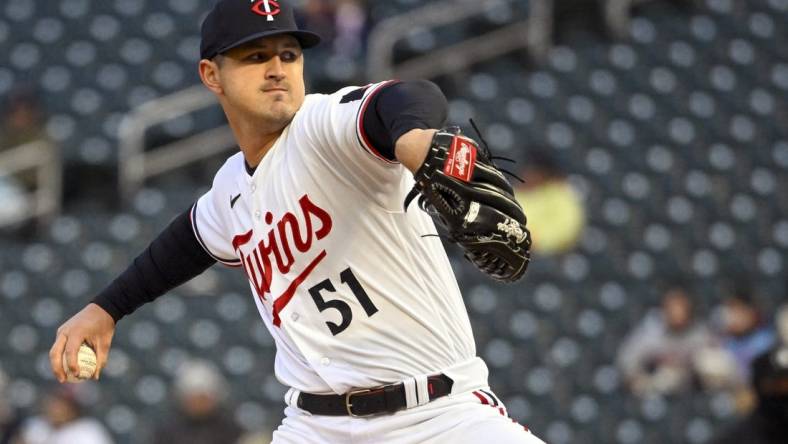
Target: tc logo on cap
{"type": "Point", "coordinates": [270, 8]}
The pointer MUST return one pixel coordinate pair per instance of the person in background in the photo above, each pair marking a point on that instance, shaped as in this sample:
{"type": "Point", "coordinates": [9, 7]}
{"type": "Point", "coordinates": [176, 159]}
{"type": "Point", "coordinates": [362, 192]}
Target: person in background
{"type": "Point", "coordinates": [351, 25]}
{"type": "Point", "coordinates": [767, 423]}
{"type": "Point", "coordinates": [22, 121]}
{"type": "Point", "coordinates": [556, 216]}
{"type": "Point", "coordinates": [63, 421]}
{"type": "Point", "coordinates": [657, 357]}
{"type": "Point", "coordinates": [200, 419]}
{"type": "Point", "coordinates": [781, 324]}
{"type": "Point", "coordinates": [10, 420]}
{"type": "Point", "coordinates": [746, 334]}
{"type": "Point", "coordinates": [319, 16]}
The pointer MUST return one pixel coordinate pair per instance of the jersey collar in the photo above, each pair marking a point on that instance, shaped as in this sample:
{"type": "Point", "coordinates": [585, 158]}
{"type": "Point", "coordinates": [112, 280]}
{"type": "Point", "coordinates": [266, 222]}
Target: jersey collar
{"type": "Point", "coordinates": [249, 169]}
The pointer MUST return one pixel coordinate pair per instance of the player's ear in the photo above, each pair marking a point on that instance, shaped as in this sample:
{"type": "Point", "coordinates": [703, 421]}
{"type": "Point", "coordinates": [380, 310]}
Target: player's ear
{"type": "Point", "coordinates": [210, 75]}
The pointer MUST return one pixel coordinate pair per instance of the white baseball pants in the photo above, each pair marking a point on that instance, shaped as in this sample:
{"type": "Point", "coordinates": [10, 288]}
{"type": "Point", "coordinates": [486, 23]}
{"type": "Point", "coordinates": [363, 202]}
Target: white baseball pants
{"type": "Point", "coordinates": [470, 417]}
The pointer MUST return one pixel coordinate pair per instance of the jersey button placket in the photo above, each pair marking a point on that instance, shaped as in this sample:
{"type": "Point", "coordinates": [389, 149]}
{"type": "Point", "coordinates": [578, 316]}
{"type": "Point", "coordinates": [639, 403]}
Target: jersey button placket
{"type": "Point", "coordinates": [258, 214]}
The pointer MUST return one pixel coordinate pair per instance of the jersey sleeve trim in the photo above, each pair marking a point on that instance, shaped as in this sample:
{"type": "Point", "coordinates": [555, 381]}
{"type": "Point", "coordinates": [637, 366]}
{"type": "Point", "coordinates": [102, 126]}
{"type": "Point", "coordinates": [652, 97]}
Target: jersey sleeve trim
{"type": "Point", "coordinates": [361, 133]}
{"type": "Point", "coordinates": [228, 262]}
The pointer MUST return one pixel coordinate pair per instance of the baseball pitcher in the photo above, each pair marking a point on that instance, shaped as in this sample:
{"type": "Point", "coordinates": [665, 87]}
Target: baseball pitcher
{"type": "Point", "coordinates": [329, 210]}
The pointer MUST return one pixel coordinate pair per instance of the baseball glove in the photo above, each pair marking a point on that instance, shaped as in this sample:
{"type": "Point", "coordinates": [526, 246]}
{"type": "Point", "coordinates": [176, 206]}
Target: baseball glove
{"type": "Point", "coordinates": [461, 187]}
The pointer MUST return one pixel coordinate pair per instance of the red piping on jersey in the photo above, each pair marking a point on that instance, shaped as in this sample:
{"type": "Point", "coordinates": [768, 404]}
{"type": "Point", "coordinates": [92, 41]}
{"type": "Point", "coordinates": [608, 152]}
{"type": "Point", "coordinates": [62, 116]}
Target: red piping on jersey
{"type": "Point", "coordinates": [360, 122]}
{"type": "Point", "coordinates": [483, 398]}
{"type": "Point", "coordinates": [491, 397]}
{"type": "Point", "coordinates": [501, 410]}
{"type": "Point", "coordinates": [281, 302]}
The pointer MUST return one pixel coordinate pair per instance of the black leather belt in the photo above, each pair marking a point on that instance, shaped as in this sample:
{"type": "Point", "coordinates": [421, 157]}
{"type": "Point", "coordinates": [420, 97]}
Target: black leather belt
{"type": "Point", "coordinates": [385, 399]}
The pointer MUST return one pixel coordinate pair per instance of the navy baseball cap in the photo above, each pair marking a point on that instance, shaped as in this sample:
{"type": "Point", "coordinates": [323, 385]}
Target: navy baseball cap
{"type": "Point", "coordinates": [232, 23]}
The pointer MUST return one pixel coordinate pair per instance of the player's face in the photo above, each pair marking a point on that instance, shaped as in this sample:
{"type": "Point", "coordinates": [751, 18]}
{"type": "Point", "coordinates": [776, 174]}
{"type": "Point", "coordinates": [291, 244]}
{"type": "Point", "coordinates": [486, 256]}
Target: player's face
{"type": "Point", "coordinates": [264, 79]}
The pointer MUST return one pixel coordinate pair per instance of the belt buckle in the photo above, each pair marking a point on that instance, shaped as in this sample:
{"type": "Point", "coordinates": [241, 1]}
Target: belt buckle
{"type": "Point", "coordinates": [349, 405]}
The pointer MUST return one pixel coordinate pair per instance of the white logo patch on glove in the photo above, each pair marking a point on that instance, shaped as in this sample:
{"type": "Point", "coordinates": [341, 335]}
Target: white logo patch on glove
{"type": "Point", "coordinates": [512, 229]}
{"type": "Point", "coordinates": [472, 214]}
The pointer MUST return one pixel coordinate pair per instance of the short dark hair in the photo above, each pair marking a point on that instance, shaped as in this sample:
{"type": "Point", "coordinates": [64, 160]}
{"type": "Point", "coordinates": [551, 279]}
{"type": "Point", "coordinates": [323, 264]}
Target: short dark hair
{"type": "Point", "coordinates": [740, 290]}
{"type": "Point", "coordinates": [674, 282]}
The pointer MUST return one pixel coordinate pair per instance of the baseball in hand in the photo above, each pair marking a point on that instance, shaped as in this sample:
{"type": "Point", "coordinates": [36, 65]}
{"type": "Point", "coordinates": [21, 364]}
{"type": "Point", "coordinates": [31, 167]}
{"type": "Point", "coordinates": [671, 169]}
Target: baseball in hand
{"type": "Point", "coordinates": [87, 360]}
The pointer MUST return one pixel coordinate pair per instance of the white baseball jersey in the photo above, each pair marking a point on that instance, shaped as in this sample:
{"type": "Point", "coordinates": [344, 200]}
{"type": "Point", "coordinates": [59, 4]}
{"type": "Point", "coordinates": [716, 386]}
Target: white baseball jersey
{"type": "Point", "coordinates": [351, 291]}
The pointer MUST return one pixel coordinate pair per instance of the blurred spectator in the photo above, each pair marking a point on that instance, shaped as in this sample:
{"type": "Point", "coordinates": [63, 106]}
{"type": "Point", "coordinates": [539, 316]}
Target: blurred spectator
{"type": "Point", "coordinates": [199, 390]}
{"type": "Point", "coordinates": [781, 322]}
{"type": "Point", "coordinates": [63, 421]}
{"type": "Point", "coordinates": [22, 121]}
{"type": "Point", "coordinates": [350, 25]}
{"type": "Point", "coordinates": [10, 421]}
{"type": "Point", "coordinates": [767, 423]}
{"type": "Point", "coordinates": [658, 356]}
{"type": "Point", "coordinates": [556, 216]}
{"type": "Point", "coordinates": [319, 16]}
{"type": "Point", "coordinates": [746, 334]}
{"type": "Point", "coordinates": [343, 24]}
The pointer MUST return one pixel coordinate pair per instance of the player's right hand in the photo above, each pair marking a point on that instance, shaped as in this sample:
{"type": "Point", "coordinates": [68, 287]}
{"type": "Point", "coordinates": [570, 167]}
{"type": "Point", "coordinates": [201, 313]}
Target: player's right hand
{"type": "Point", "coordinates": [92, 325]}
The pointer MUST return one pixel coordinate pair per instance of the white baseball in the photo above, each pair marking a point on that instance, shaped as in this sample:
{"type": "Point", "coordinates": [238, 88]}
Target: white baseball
{"type": "Point", "coordinates": [87, 361]}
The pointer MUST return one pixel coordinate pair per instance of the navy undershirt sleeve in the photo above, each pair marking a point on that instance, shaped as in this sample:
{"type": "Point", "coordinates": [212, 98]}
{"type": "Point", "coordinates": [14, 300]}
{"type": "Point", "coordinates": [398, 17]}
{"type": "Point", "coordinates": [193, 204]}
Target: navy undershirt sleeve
{"type": "Point", "coordinates": [172, 259]}
{"type": "Point", "coordinates": [401, 107]}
